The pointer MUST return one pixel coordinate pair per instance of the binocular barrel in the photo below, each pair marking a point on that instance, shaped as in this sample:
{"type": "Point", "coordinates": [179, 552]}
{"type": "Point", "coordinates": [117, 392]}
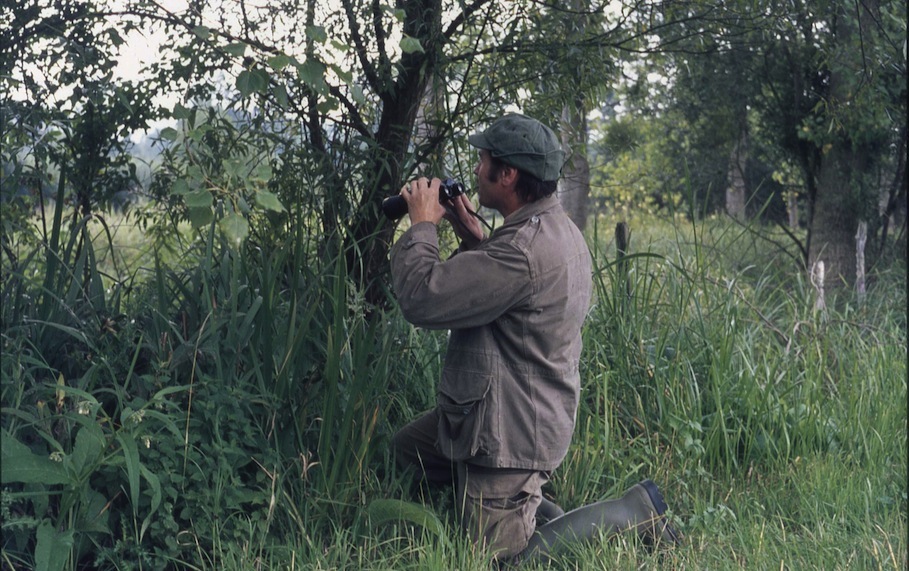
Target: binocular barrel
{"type": "Point", "coordinates": [395, 206]}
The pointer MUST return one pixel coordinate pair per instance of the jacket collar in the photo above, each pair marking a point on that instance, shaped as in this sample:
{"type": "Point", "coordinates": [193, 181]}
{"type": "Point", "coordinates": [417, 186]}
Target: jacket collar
{"type": "Point", "coordinates": [531, 209]}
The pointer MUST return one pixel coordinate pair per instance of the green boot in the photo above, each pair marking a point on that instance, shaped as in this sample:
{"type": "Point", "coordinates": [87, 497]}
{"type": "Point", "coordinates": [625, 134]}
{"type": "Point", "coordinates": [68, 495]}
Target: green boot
{"type": "Point", "coordinates": [641, 508]}
{"type": "Point", "coordinates": [548, 511]}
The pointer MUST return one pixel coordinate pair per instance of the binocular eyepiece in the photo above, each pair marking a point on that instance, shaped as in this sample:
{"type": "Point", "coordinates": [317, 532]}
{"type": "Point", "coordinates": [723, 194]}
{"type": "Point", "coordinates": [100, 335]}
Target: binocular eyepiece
{"type": "Point", "coordinates": [395, 207]}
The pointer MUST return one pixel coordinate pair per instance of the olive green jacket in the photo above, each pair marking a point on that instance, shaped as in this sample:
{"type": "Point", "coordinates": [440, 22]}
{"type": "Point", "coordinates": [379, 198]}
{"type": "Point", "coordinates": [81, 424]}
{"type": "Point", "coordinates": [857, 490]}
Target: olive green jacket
{"type": "Point", "coordinates": [515, 305]}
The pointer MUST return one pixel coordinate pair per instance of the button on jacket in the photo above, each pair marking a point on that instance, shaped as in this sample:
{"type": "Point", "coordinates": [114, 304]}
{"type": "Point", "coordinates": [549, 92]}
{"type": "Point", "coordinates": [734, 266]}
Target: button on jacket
{"type": "Point", "coordinates": [515, 305]}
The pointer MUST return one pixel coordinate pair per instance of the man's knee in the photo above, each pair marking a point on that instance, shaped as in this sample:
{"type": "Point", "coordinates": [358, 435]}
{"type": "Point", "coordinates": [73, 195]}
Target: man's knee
{"type": "Point", "coordinates": [500, 507]}
{"type": "Point", "coordinates": [414, 440]}
{"type": "Point", "coordinates": [503, 525]}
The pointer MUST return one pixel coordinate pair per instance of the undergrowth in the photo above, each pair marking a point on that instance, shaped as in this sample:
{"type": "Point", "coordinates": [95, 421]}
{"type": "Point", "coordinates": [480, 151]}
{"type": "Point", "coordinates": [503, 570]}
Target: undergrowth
{"type": "Point", "coordinates": [231, 408]}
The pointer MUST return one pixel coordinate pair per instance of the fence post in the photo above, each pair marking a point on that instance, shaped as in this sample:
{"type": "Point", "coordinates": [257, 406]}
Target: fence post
{"type": "Point", "coordinates": [622, 236]}
{"type": "Point", "coordinates": [817, 280]}
{"type": "Point", "coordinates": [861, 236]}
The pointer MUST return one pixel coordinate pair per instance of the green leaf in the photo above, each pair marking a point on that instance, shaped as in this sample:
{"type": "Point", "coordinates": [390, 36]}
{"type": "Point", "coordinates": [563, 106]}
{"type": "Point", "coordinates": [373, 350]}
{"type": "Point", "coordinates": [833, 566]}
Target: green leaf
{"type": "Point", "coordinates": [19, 464]}
{"type": "Point", "coordinates": [87, 450]}
{"type": "Point", "coordinates": [327, 105]}
{"type": "Point", "coordinates": [341, 46]}
{"type": "Point", "coordinates": [278, 62]}
{"type": "Point", "coordinates": [169, 391]}
{"type": "Point", "coordinates": [245, 83]}
{"type": "Point", "coordinates": [397, 13]}
{"type": "Point", "coordinates": [194, 173]}
{"type": "Point", "coordinates": [93, 517]}
{"type": "Point", "coordinates": [410, 45]}
{"type": "Point", "coordinates": [198, 198]}
{"type": "Point", "coordinates": [235, 49]}
{"type": "Point", "coordinates": [131, 455]}
{"type": "Point", "coordinates": [316, 34]}
{"type": "Point", "coordinates": [343, 73]}
{"type": "Point", "coordinates": [251, 81]}
{"type": "Point", "coordinates": [262, 173]}
{"type": "Point", "coordinates": [169, 133]}
{"type": "Point", "coordinates": [233, 166]}
{"type": "Point", "coordinates": [235, 227]}
{"type": "Point", "coordinates": [202, 32]}
{"type": "Point", "coordinates": [356, 91]}
{"type": "Point", "coordinates": [200, 217]}
{"type": "Point", "coordinates": [53, 547]}
{"type": "Point", "coordinates": [269, 201]}
{"type": "Point", "coordinates": [181, 112]}
{"type": "Point", "coordinates": [180, 187]}
{"type": "Point", "coordinates": [165, 421]}
{"type": "Point", "coordinates": [155, 486]}
{"type": "Point", "coordinates": [312, 72]}
{"type": "Point", "coordinates": [384, 510]}
{"type": "Point", "coordinates": [281, 96]}
{"type": "Point", "coordinates": [115, 38]}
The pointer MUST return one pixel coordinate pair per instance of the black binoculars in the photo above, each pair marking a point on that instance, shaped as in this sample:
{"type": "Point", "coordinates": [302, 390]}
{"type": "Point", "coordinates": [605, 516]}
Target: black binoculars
{"type": "Point", "coordinates": [395, 207]}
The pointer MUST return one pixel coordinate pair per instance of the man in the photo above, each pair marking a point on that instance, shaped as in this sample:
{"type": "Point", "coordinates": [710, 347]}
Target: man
{"type": "Point", "coordinates": [515, 303]}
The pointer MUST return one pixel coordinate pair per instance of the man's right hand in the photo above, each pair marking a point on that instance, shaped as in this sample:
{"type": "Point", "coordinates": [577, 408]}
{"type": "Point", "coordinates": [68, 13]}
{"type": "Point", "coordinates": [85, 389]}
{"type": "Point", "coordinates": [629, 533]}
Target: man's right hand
{"type": "Point", "coordinates": [465, 224]}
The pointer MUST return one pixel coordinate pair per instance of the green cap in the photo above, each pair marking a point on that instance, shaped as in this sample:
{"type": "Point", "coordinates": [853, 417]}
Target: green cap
{"type": "Point", "coordinates": [523, 143]}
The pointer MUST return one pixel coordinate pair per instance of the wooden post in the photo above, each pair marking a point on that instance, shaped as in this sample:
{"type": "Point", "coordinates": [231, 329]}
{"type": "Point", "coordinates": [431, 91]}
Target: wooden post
{"type": "Point", "coordinates": [622, 236]}
{"type": "Point", "coordinates": [861, 236]}
{"type": "Point", "coordinates": [817, 280]}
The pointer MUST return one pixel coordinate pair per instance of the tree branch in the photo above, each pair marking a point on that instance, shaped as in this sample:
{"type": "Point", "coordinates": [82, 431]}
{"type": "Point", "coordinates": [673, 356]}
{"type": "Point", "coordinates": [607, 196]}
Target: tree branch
{"type": "Point", "coordinates": [369, 72]}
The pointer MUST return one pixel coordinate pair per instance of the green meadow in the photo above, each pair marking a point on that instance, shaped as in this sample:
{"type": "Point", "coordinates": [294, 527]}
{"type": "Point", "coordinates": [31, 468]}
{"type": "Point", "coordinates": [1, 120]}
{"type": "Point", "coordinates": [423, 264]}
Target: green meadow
{"type": "Point", "coordinates": [172, 401]}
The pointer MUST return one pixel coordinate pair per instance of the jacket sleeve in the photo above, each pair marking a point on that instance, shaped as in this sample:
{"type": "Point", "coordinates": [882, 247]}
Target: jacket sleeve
{"type": "Point", "coordinates": [470, 289]}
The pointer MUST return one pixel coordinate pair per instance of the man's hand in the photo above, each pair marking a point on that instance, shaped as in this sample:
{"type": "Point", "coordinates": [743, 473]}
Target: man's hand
{"type": "Point", "coordinates": [465, 224]}
{"type": "Point", "coordinates": [422, 198]}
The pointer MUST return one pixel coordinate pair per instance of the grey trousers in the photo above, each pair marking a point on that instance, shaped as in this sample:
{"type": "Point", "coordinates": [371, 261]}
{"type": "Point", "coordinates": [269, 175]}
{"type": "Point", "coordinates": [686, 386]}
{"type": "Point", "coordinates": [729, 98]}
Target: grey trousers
{"type": "Point", "coordinates": [497, 506]}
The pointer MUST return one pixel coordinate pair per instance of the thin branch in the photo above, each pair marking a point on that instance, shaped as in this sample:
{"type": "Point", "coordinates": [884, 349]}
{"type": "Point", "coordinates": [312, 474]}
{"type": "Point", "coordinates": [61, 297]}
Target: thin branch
{"type": "Point", "coordinates": [371, 74]}
{"type": "Point", "coordinates": [381, 33]}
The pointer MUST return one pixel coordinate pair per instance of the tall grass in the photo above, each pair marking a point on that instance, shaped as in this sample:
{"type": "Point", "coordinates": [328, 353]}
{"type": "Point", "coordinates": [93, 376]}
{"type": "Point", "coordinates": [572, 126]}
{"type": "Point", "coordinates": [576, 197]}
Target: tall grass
{"type": "Point", "coordinates": [236, 414]}
{"type": "Point", "coordinates": [764, 419]}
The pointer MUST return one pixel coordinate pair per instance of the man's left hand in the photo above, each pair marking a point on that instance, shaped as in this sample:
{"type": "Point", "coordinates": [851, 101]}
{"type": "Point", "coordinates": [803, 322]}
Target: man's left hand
{"type": "Point", "coordinates": [422, 198]}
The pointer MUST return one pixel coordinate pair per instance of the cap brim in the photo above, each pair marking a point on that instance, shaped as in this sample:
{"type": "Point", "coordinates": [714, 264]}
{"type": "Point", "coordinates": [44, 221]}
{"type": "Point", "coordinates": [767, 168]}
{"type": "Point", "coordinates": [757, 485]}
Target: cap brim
{"type": "Point", "coordinates": [479, 141]}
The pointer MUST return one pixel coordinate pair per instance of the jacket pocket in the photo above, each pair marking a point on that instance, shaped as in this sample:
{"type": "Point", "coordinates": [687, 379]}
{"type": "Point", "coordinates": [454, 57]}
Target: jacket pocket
{"type": "Point", "coordinates": [463, 430]}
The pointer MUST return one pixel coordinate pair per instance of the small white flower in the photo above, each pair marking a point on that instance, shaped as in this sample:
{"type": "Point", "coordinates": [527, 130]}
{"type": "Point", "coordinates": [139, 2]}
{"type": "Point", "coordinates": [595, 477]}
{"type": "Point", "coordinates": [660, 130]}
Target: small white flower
{"type": "Point", "coordinates": [57, 456]}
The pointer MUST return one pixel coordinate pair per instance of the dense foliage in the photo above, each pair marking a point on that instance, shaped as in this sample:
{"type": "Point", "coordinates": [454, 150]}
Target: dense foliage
{"type": "Point", "coordinates": [202, 363]}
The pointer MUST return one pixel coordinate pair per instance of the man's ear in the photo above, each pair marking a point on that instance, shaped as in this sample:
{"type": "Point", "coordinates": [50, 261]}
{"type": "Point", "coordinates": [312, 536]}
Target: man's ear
{"type": "Point", "coordinates": [508, 175]}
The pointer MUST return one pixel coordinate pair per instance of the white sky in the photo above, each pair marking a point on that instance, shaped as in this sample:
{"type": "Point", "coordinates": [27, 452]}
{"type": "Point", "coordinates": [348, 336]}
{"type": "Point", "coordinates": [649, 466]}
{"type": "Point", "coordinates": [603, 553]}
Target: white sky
{"type": "Point", "coordinates": [143, 45]}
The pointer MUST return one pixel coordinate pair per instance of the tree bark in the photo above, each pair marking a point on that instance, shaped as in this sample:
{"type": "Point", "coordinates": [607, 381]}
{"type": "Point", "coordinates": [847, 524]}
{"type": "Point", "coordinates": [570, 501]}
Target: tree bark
{"type": "Point", "coordinates": [737, 191]}
{"type": "Point", "coordinates": [792, 208]}
{"type": "Point", "coordinates": [371, 234]}
{"type": "Point", "coordinates": [574, 187]}
{"type": "Point", "coordinates": [844, 173]}
{"type": "Point", "coordinates": [834, 223]}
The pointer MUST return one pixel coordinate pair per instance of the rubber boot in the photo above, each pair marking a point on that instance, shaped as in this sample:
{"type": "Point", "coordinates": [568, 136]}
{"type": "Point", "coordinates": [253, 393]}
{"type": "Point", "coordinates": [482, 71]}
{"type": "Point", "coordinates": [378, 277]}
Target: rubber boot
{"type": "Point", "coordinates": [548, 511]}
{"type": "Point", "coordinates": [641, 508]}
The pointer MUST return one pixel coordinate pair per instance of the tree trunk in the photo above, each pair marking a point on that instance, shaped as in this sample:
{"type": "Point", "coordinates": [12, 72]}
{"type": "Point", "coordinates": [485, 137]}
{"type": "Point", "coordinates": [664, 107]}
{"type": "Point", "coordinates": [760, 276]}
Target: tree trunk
{"type": "Point", "coordinates": [737, 190]}
{"type": "Point", "coordinates": [792, 208]}
{"type": "Point", "coordinates": [574, 187]}
{"type": "Point", "coordinates": [370, 233]}
{"type": "Point", "coordinates": [893, 201]}
{"type": "Point", "coordinates": [834, 222]}
{"type": "Point", "coordinates": [845, 176]}
{"type": "Point", "coordinates": [427, 136]}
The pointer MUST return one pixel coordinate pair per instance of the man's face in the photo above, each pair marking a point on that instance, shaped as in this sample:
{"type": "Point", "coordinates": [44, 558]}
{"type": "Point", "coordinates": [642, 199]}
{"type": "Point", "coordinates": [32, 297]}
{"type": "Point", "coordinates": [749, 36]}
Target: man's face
{"type": "Point", "coordinates": [489, 192]}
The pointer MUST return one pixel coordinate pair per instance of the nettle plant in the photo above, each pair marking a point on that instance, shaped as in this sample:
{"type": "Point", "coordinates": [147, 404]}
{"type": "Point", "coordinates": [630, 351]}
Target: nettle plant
{"type": "Point", "coordinates": [67, 461]}
{"type": "Point", "coordinates": [216, 168]}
